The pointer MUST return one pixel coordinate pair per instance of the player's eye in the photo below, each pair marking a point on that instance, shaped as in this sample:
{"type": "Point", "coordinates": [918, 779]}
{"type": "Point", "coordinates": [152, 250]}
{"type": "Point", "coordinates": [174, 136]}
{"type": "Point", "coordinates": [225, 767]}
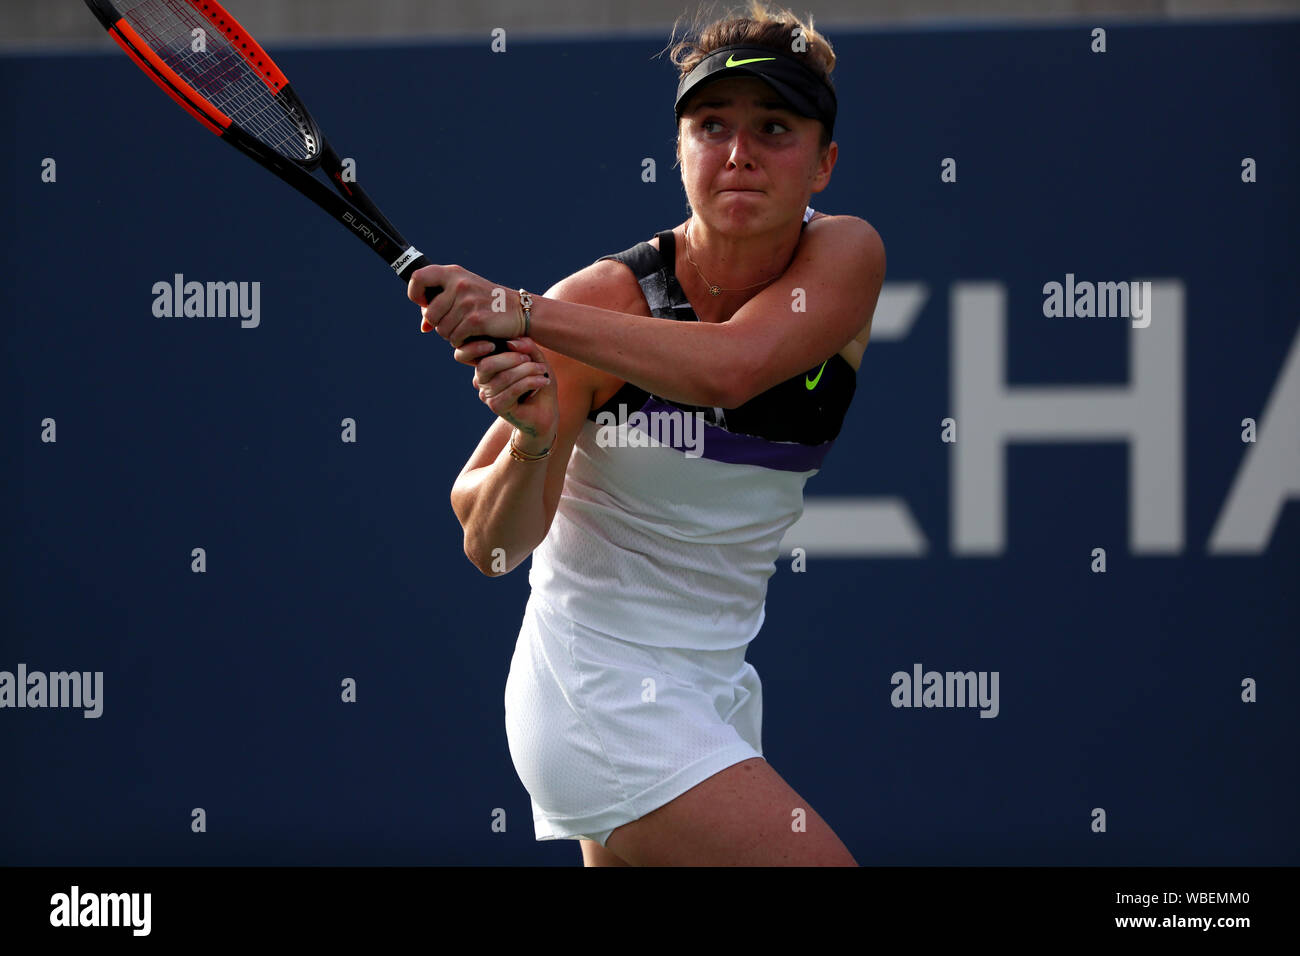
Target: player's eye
{"type": "Point", "coordinates": [771, 127]}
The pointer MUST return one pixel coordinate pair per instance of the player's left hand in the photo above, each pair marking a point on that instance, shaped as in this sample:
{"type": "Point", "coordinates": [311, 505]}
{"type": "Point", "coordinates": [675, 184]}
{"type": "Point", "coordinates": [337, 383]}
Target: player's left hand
{"type": "Point", "coordinates": [468, 305]}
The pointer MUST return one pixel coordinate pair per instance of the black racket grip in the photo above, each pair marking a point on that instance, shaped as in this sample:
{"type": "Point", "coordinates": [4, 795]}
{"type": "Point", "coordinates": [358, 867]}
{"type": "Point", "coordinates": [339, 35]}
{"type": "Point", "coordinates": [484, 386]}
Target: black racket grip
{"type": "Point", "coordinates": [500, 344]}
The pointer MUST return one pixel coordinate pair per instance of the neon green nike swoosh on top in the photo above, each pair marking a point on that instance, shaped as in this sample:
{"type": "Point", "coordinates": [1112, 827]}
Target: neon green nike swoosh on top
{"type": "Point", "coordinates": [812, 383]}
{"type": "Point", "coordinates": [732, 61]}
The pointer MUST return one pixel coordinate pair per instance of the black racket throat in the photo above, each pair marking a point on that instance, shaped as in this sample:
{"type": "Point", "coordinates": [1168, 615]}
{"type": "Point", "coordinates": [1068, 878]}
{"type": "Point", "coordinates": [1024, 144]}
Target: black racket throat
{"type": "Point", "coordinates": [331, 164]}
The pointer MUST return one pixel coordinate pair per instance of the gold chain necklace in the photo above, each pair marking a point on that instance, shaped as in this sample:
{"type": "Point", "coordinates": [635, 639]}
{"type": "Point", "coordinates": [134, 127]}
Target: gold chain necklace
{"type": "Point", "coordinates": [713, 289]}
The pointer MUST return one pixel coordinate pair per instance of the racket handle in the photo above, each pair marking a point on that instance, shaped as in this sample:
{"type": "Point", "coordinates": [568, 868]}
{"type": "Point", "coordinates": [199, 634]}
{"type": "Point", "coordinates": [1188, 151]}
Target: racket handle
{"type": "Point", "coordinates": [431, 292]}
{"type": "Point", "coordinates": [500, 344]}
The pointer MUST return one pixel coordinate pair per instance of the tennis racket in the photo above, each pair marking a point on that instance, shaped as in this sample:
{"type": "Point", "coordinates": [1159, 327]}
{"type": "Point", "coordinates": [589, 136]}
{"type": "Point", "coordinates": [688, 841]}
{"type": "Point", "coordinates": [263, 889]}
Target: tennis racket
{"type": "Point", "coordinates": [225, 80]}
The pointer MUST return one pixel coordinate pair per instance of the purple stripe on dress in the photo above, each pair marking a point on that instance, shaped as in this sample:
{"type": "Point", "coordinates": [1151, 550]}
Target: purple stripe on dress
{"type": "Point", "coordinates": [718, 444]}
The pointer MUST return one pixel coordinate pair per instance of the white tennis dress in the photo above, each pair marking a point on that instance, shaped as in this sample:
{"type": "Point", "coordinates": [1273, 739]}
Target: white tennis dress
{"type": "Point", "coordinates": [629, 683]}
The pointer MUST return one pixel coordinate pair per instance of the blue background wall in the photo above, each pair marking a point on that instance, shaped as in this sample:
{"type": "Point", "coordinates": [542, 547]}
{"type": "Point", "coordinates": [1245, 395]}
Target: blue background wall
{"type": "Point", "coordinates": [329, 560]}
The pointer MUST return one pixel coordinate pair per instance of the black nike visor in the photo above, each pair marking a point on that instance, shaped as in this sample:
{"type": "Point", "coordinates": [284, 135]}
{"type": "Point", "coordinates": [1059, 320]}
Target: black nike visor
{"type": "Point", "coordinates": [804, 91]}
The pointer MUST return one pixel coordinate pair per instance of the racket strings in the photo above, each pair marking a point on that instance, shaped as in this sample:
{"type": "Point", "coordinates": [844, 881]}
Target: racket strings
{"type": "Point", "coordinates": [220, 74]}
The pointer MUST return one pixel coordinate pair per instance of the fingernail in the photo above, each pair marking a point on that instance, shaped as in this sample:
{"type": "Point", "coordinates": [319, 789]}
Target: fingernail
{"type": "Point", "coordinates": [424, 325]}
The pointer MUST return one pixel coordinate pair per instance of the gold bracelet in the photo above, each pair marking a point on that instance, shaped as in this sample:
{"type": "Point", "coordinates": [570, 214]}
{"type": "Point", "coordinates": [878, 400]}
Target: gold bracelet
{"type": "Point", "coordinates": [518, 455]}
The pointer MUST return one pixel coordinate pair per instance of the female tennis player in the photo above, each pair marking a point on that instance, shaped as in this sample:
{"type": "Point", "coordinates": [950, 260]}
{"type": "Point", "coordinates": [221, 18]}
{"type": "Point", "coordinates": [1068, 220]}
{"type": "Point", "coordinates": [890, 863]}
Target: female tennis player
{"type": "Point", "coordinates": [658, 415]}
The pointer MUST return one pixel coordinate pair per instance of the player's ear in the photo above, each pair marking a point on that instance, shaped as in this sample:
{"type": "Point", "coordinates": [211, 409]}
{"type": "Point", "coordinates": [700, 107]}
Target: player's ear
{"type": "Point", "coordinates": [825, 164]}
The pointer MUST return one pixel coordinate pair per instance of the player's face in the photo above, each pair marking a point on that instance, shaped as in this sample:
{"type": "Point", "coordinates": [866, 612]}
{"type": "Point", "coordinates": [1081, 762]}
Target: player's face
{"type": "Point", "coordinates": [749, 164]}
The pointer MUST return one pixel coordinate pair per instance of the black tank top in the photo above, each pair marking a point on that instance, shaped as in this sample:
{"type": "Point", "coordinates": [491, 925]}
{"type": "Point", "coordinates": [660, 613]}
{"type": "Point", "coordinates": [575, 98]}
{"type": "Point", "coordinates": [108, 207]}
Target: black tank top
{"type": "Point", "coordinates": [808, 409]}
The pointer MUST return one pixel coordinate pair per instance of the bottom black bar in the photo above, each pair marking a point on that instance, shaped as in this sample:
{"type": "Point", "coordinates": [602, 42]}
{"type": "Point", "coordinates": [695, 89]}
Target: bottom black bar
{"type": "Point", "coordinates": [335, 905]}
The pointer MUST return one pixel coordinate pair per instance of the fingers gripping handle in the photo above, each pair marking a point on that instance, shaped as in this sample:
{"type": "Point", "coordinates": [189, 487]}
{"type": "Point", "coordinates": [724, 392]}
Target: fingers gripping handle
{"type": "Point", "coordinates": [406, 265]}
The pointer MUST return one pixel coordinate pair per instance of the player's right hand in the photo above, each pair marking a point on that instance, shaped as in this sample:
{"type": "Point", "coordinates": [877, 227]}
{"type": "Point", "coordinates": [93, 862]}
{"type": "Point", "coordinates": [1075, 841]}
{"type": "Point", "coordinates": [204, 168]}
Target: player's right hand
{"type": "Point", "coordinates": [502, 380]}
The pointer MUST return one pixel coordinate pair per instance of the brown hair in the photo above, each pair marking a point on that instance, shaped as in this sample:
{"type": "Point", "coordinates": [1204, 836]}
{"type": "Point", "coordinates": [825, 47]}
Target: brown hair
{"type": "Point", "coordinates": [763, 27]}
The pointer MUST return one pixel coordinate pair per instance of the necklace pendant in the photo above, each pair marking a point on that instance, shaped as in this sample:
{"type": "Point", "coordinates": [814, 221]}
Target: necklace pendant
{"type": "Point", "coordinates": [714, 290]}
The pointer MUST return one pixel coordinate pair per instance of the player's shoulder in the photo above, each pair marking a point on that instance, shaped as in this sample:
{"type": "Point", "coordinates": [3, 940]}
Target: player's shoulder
{"type": "Point", "coordinates": [845, 226]}
{"type": "Point", "coordinates": [604, 284]}
{"type": "Point", "coordinates": [850, 235]}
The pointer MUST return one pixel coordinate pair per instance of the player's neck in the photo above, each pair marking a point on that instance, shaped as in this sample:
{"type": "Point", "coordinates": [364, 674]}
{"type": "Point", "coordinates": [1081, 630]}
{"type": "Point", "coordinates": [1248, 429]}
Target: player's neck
{"type": "Point", "coordinates": [741, 266]}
